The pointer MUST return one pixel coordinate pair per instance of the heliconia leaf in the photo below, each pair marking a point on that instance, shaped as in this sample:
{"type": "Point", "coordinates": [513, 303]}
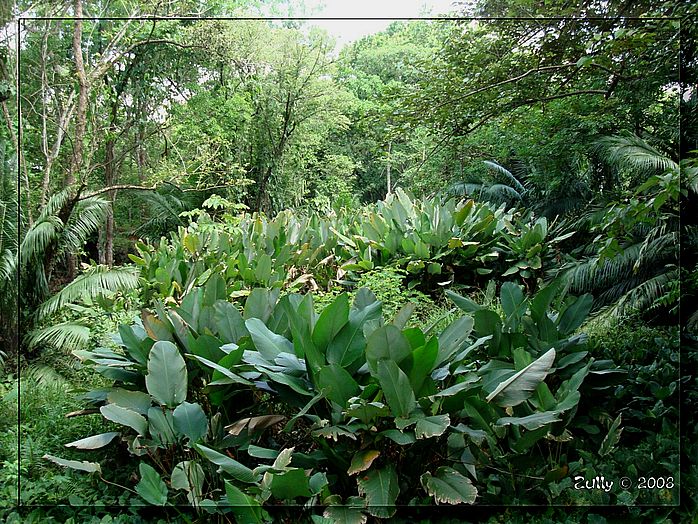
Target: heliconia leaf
{"type": "Point", "coordinates": [449, 486]}
{"type": "Point", "coordinates": [433, 426]}
{"type": "Point", "coordinates": [254, 423]}
{"type": "Point", "coordinates": [345, 514]}
{"type": "Point", "coordinates": [268, 343]}
{"type": "Point", "coordinates": [90, 467]}
{"type": "Point", "coordinates": [380, 487]}
{"type": "Point", "coordinates": [331, 321]}
{"type": "Point", "coordinates": [396, 388]}
{"type": "Point", "coordinates": [125, 417]}
{"type": "Point", "coordinates": [386, 343]}
{"type": "Point", "coordinates": [151, 487]}
{"type": "Point", "coordinates": [338, 384]}
{"type": "Point", "coordinates": [166, 380]}
{"type": "Point", "coordinates": [574, 316]}
{"type": "Point", "coordinates": [452, 339]}
{"type": "Point", "coordinates": [190, 420]}
{"type": "Point", "coordinates": [229, 465]}
{"type": "Point", "coordinates": [291, 484]}
{"type": "Point", "coordinates": [134, 400]}
{"type": "Point", "coordinates": [245, 508]}
{"type": "Point", "coordinates": [94, 442]}
{"type": "Point", "coordinates": [362, 460]}
{"type": "Point", "coordinates": [521, 385]}
{"type": "Point", "coordinates": [348, 345]}
{"type": "Point", "coordinates": [531, 422]}
{"type": "Point", "coordinates": [188, 475]}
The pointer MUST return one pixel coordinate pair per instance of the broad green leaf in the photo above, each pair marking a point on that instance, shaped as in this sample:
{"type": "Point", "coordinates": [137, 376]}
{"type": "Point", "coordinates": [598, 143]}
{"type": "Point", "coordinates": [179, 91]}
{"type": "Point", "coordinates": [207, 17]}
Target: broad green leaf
{"type": "Point", "coordinates": [540, 304]}
{"type": "Point", "coordinates": [125, 417]}
{"type": "Point", "coordinates": [206, 346]}
{"type": "Point", "coordinates": [348, 345]}
{"type": "Point", "coordinates": [229, 321]}
{"type": "Point", "coordinates": [151, 487]}
{"type": "Point", "coordinates": [464, 385]}
{"type": "Point", "coordinates": [133, 344]}
{"type": "Point", "coordinates": [345, 515]}
{"type": "Point", "coordinates": [433, 426]}
{"type": "Point", "coordinates": [513, 303]}
{"type": "Point", "coordinates": [531, 422]}
{"type": "Point", "coordinates": [380, 487]}
{"type": "Point", "coordinates": [230, 377]}
{"type": "Point", "coordinates": [463, 303]}
{"type": "Point", "coordinates": [449, 486]}
{"type": "Point", "coordinates": [260, 303]}
{"type": "Point", "coordinates": [362, 460]}
{"type": "Point", "coordinates": [399, 437]}
{"type": "Point", "coordinates": [338, 384]}
{"type": "Point", "coordinates": [521, 385]}
{"type": "Point", "coordinates": [90, 467]}
{"type": "Point", "coordinates": [331, 321]}
{"type": "Point", "coordinates": [575, 314]}
{"type": "Point", "coordinates": [190, 420]}
{"type": "Point", "coordinates": [402, 316]}
{"type": "Point", "coordinates": [291, 484]}
{"type": "Point", "coordinates": [452, 339]}
{"type": "Point", "coordinates": [268, 343]}
{"type": "Point", "coordinates": [134, 400]}
{"type": "Point", "coordinates": [423, 360]}
{"type": "Point", "coordinates": [166, 380]}
{"type": "Point", "coordinates": [396, 388]}
{"type": "Point", "coordinates": [161, 425]}
{"type": "Point", "coordinates": [189, 475]}
{"type": "Point", "coordinates": [94, 442]}
{"type": "Point", "coordinates": [245, 508]}
{"type": "Point", "coordinates": [227, 464]}
{"type": "Point", "coordinates": [386, 343]}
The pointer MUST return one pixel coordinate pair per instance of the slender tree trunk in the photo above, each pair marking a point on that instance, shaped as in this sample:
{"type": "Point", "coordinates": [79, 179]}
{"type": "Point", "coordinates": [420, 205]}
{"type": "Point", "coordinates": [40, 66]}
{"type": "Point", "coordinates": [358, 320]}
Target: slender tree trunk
{"type": "Point", "coordinates": [83, 87]}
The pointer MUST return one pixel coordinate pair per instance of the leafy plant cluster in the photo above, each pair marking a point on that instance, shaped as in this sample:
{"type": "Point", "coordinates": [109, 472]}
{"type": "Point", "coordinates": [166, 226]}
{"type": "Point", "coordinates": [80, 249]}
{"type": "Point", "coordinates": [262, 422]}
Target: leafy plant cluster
{"type": "Point", "coordinates": [232, 410]}
{"type": "Point", "coordinates": [435, 240]}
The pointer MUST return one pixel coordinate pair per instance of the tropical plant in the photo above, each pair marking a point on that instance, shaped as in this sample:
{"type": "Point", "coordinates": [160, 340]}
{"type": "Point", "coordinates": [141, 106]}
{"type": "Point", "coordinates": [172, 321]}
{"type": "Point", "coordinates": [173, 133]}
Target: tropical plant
{"type": "Point", "coordinates": [277, 381]}
{"type": "Point", "coordinates": [9, 215]}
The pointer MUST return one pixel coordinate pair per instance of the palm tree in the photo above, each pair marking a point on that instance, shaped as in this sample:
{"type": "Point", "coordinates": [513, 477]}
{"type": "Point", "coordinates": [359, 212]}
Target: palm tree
{"type": "Point", "coordinates": [26, 267]}
{"type": "Point", "coordinates": [635, 267]}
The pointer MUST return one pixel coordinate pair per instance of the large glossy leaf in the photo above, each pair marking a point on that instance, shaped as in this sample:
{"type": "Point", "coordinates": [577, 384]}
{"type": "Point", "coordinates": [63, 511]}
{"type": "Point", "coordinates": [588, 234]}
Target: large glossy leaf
{"type": "Point", "coordinates": [338, 384]}
{"type": "Point", "coordinates": [190, 420]}
{"type": "Point", "coordinates": [151, 487]}
{"type": "Point", "coordinates": [260, 303]}
{"type": "Point", "coordinates": [531, 422]}
{"type": "Point", "coordinates": [386, 343]}
{"type": "Point", "coordinates": [290, 484]}
{"type": "Point", "coordinates": [514, 304]}
{"type": "Point", "coordinates": [161, 425]}
{"type": "Point", "coordinates": [268, 343]}
{"type": "Point", "coordinates": [575, 314]}
{"type": "Point", "coordinates": [452, 339]}
{"type": "Point", "coordinates": [229, 465]}
{"type": "Point", "coordinates": [94, 442]}
{"type": "Point", "coordinates": [331, 321]}
{"type": "Point", "coordinates": [521, 385]}
{"type": "Point", "coordinates": [380, 487]}
{"type": "Point", "coordinates": [125, 417]}
{"type": "Point", "coordinates": [166, 380]}
{"type": "Point", "coordinates": [134, 400]}
{"type": "Point", "coordinates": [463, 303]}
{"type": "Point", "coordinates": [245, 508]}
{"type": "Point", "coordinates": [349, 343]}
{"type": "Point", "coordinates": [423, 361]}
{"type": "Point", "coordinates": [229, 321]}
{"type": "Point", "coordinates": [449, 486]}
{"type": "Point", "coordinates": [396, 388]}
{"type": "Point", "coordinates": [90, 467]}
{"type": "Point", "coordinates": [433, 426]}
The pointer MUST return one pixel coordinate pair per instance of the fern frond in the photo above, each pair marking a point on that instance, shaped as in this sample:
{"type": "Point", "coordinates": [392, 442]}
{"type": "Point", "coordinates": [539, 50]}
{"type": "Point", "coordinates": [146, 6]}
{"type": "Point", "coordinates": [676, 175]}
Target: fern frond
{"type": "Point", "coordinates": [93, 282]}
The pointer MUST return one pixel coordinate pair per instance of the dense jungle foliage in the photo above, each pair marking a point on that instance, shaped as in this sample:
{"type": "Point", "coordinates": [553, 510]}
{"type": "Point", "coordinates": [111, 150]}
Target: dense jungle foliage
{"type": "Point", "coordinates": [446, 272]}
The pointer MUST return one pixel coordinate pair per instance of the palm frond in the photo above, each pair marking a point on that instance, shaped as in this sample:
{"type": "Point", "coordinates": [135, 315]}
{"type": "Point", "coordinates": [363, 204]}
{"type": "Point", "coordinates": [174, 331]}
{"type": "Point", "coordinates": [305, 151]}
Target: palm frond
{"type": "Point", "coordinates": [643, 296]}
{"type": "Point", "coordinates": [85, 219]}
{"type": "Point", "coordinates": [507, 174]}
{"type": "Point", "coordinates": [93, 282]}
{"type": "Point", "coordinates": [45, 375]}
{"type": "Point", "coordinates": [34, 244]}
{"type": "Point", "coordinates": [631, 152]}
{"type": "Point", "coordinates": [65, 336]}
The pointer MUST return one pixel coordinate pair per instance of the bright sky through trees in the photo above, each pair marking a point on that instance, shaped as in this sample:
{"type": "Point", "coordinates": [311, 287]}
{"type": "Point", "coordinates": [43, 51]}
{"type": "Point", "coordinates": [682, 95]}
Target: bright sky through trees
{"type": "Point", "coordinates": [346, 31]}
